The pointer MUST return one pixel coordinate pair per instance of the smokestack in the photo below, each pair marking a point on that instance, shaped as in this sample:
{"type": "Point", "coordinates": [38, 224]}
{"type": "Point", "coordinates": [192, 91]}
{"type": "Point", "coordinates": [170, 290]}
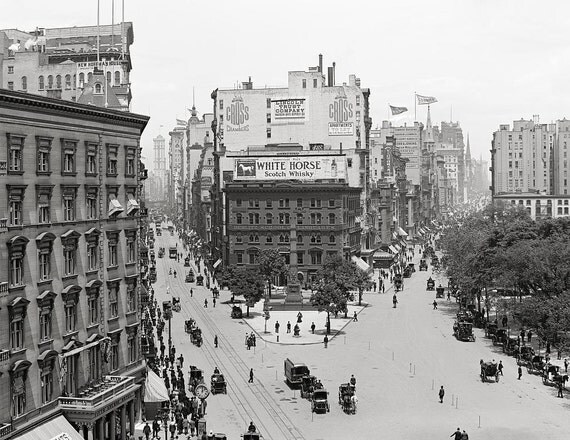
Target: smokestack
{"type": "Point", "coordinates": [329, 76]}
{"type": "Point", "coordinates": [333, 73]}
{"type": "Point", "coordinates": [321, 63]}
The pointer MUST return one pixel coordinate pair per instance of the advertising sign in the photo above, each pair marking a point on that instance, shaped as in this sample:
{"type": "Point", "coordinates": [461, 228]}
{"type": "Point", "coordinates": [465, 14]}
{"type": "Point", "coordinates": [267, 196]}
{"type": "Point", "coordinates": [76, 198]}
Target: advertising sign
{"type": "Point", "coordinates": [291, 108]}
{"type": "Point", "coordinates": [341, 128]}
{"type": "Point", "coordinates": [237, 115]}
{"type": "Point", "coordinates": [288, 168]}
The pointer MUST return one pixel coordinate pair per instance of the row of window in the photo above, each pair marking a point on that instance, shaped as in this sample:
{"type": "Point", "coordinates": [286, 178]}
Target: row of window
{"type": "Point", "coordinates": [315, 257]}
{"type": "Point", "coordinates": [284, 218]}
{"type": "Point", "coordinates": [69, 195]}
{"type": "Point", "coordinates": [284, 238]}
{"type": "Point", "coordinates": [538, 202]}
{"type": "Point", "coordinates": [284, 203]}
{"type": "Point", "coordinates": [68, 157]}
{"type": "Point", "coordinates": [70, 242]}
{"type": "Point", "coordinates": [55, 82]}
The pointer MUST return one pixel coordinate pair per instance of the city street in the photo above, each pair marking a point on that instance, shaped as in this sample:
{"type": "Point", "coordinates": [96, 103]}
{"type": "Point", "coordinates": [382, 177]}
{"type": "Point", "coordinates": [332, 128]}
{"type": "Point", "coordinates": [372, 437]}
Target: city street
{"type": "Point", "coordinates": [400, 358]}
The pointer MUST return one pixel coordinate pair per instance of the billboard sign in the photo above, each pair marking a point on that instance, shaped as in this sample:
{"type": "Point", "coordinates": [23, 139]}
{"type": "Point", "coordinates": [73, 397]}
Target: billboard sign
{"type": "Point", "coordinates": [341, 128]}
{"type": "Point", "coordinates": [290, 108]}
{"type": "Point", "coordinates": [290, 168]}
{"type": "Point", "coordinates": [237, 115]}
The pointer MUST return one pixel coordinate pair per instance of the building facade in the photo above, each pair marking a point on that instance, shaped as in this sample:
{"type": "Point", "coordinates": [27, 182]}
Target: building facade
{"type": "Point", "coordinates": [70, 290]}
{"type": "Point", "coordinates": [61, 63]}
{"type": "Point", "coordinates": [538, 206]}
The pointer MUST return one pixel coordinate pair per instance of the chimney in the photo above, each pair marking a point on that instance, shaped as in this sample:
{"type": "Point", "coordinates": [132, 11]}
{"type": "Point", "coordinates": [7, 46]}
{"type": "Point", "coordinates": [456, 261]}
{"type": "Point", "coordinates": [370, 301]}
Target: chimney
{"type": "Point", "coordinates": [321, 63]}
{"type": "Point", "coordinates": [329, 76]}
{"type": "Point", "coordinates": [247, 85]}
{"type": "Point", "coordinates": [334, 73]}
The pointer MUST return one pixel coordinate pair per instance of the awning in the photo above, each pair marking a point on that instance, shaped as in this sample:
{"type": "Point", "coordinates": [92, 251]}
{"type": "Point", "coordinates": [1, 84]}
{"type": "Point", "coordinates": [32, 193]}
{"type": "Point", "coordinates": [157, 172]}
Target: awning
{"type": "Point", "coordinates": [115, 207]}
{"type": "Point", "coordinates": [401, 232]}
{"type": "Point", "coordinates": [392, 249]}
{"type": "Point", "coordinates": [217, 263]}
{"type": "Point", "coordinates": [363, 265]}
{"type": "Point", "coordinates": [154, 389]}
{"type": "Point", "coordinates": [381, 255]}
{"type": "Point", "coordinates": [394, 236]}
{"type": "Point", "coordinates": [56, 429]}
{"type": "Point", "coordinates": [132, 204]}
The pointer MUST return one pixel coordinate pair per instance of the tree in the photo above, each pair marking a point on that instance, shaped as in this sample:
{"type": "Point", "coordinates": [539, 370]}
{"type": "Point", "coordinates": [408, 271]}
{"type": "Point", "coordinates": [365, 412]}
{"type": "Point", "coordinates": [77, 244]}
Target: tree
{"type": "Point", "coordinates": [361, 282]}
{"type": "Point", "coordinates": [248, 283]}
{"type": "Point", "coordinates": [328, 297]}
{"type": "Point", "coordinates": [271, 264]}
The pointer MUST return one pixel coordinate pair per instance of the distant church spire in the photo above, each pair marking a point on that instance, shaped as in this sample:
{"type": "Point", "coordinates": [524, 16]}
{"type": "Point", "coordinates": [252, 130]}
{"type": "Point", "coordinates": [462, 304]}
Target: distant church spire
{"type": "Point", "coordinates": [429, 128]}
{"type": "Point", "coordinates": [468, 150]}
{"type": "Point", "coordinates": [194, 112]}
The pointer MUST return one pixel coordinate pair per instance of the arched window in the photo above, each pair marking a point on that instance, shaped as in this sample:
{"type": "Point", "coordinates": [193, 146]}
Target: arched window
{"type": "Point", "coordinates": [313, 238]}
{"type": "Point", "coordinates": [68, 82]}
{"type": "Point", "coordinates": [332, 239]}
{"type": "Point", "coordinates": [117, 78]}
{"type": "Point", "coordinates": [251, 238]}
{"type": "Point", "coordinates": [98, 88]}
{"type": "Point", "coordinates": [332, 219]}
{"type": "Point", "coordinates": [286, 238]}
{"type": "Point", "coordinates": [81, 79]}
{"type": "Point", "coordinates": [24, 83]}
{"type": "Point", "coordinates": [41, 82]}
{"type": "Point", "coordinates": [74, 81]}
{"type": "Point", "coordinates": [269, 238]}
{"type": "Point", "coordinates": [108, 77]}
{"type": "Point", "coordinates": [299, 238]}
{"type": "Point", "coordinates": [239, 218]}
{"type": "Point", "coordinates": [269, 218]}
{"type": "Point", "coordinates": [58, 82]}
{"type": "Point", "coordinates": [281, 238]}
{"type": "Point", "coordinates": [89, 76]}
{"type": "Point", "coordinates": [50, 82]}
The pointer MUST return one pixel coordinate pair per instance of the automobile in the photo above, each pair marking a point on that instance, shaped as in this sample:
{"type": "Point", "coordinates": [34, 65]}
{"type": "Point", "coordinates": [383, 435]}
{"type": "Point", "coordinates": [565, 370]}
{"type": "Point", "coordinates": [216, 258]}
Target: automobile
{"type": "Point", "coordinates": [463, 331]}
{"type": "Point", "coordinates": [491, 329]}
{"type": "Point", "coordinates": [218, 384]}
{"type": "Point", "coordinates": [511, 346]}
{"type": "Point", "coordinates": [189, 277]}
{"type": "Point", "coordinates": [430, 284]}
{"type": "Point", "coordinates": [187, 262]}
{"type": "Point", "coordinates": [423, 265]}
{"type": "Point", "coordinates": [200, 280]}
{"type": "Point", "coordinates": [489, 369]}
{"type": "Point", "coordinates": [319, 401]}
{"type": "Point", "coordinates": [237, 313]}
{"type": "Point", "coordinates": [440, 291]}
{"type": "Point", "coordinates": [526, 353]}
{"type": "Point", "coordinates": [308, 386]}
{"type": "Point", "coordinates": [407, 272]}
{"type": "Point", "coordinates": [294, 372]}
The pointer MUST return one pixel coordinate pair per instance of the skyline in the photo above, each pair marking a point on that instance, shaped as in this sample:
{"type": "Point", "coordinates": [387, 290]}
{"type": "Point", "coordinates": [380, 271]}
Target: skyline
{"type": "Point", "coordinates": [486, 63]}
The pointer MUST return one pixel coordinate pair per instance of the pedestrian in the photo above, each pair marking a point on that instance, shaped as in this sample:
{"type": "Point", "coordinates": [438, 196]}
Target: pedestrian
{"type": "Point", "coordinates": [548, 347]}
{"type": "Point", "coordinates": [299, 318]}
{"type": "Point", "coordinates": [181, 359]}
{"type": "Point", "coordinates": [313, 331]}
{"type": "Point", "coordinates": [216, 341]}
{"type": "Point", "coordinates": [559, 352]}
{"type": "Point", "coordinates": [441, 394]}
{"type": "Point", "coordinates": [191, 293]}
{"type": "Point", "coordinates": [464, 435]}
{"type": "Point", "coordinates": [520, 372]}
{"type": "Point", "coordinates": [353, 382]}
{"type": "Point", "coordinates": [355, 318]}
{"type": "Point", "coordinates": [523, 333]}
{"type": "Point", "coordinates": [382, 288]}
{"type": "Point", "coordinates": [276, 326]}
{"type": "Point", "coordinates": [288, 326]}
{"type": "Point", "coordinates": [505, 320]}
{"type": "Point", "coordinates": [560, 386]}
{"type": "Point", "coordinates": [155, 428]}
{"type": "Point", "coordinates": [146, 431]}
{"type": "Point", "coordinates": [434, 304]}
{"type": "Point", "coordinates": [566, 365]}
{"type": "Point", "coordinates": [326, 341]}
{"type": "Point", "coordinates": [205, 303]}
{"type": "Point", "coordinates": [374, 285]}
{"type": "Point", "coordinates": [456, 435]}
{"type": "Point", "coordinates": [500, 367]}
{"type": "Point", "coordinates": [214, 301]}
{"type": "Point", "coordinates": [250, 376]}
{"type": "Point", "coordinates": [529, 336]}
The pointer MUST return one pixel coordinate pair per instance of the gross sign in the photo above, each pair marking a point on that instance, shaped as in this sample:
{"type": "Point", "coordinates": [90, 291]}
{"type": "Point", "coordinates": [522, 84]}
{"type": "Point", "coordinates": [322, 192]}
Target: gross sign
{"type": "Point", "coordinates": [289, 109]}
{"type": "Point", "coordinates": [287, 168]}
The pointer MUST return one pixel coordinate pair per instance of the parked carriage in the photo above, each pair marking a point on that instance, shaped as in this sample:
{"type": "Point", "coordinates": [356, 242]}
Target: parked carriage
{"type": "Point", "coordinates": [237, 312]}
{"type": "Point", "coordinates": [218, 384]}
{"type": "Point", "coordinates": [176, 304]}
{"type": "Point", "coordinates": [526, 353]}
{"type": "Point", "coordinates": [319, 401]}
{"type": "Point", "coordinates": [463, 331]}
{"type": "Point", "coordinates": [187, 262]}
{"type": "Point", "coordinates": [430, 285]}
{"type": "Point", "coordinates": [500, 336]}
{"type": "Point", "coordinates": [440, 291]}
{"type": "Point", "coordinates": [536, 365]}
{"type": "Point", "coordinates": [189, 324]}
{"type": "Point", "coordinates": [489, 369]}
{"type": "Point", "coordinates": [423, 265]}
{"type": "Point", "coordinates": [196, 336]}
{"type": "Point", "coordinates": [511, 346]}
{"type": "Point", "coordinates": [551, 375]}
{"type": "Point", "coordinates": [398, 282]}
{"type": "Point", "coordinates": [189, 277]}
{"type": "Point", "coordinates": [200, 280]}
{"type": "Point", "coordinates": [345, 398]}
{"type": "Point", "coordinates": [195, 377]}
{"type": "Point", "coordinates": [308, 386]}
{"type": "Point", "coordinates": [407, 272]}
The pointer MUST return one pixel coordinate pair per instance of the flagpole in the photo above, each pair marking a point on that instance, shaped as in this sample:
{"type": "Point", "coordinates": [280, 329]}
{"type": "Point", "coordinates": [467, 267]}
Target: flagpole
{"type": "Point", "coordinates": [415, 102]}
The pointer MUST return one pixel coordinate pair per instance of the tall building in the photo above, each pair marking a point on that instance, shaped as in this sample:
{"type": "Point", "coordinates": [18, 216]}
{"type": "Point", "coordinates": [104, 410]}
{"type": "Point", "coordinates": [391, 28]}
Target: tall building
{"type": "Point", "coordinates": [70, 289]}
{"type": "Point", "coordinates": [452, 148]}
{"type": "Point", "coordinates": [69, 63]}
{"type": "Point", "coordinates": [159, 176]}
{"type": "Point", "coordinates": [310, 132]}
{"type": "Point", "coordinates": [176, 152]}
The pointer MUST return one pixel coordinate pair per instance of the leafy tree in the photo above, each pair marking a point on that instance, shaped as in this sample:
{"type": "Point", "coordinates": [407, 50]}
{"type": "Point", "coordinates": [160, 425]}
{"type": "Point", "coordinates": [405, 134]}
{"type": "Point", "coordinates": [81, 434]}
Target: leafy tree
{"type": "Point", "coordinates": [248, 283]}
{"type": "Point", "coordinates": [327, 297]}
{"type": "Point", "coordinates": [271, 264]}
{"type": "Point", "coordinates": [361, 282]}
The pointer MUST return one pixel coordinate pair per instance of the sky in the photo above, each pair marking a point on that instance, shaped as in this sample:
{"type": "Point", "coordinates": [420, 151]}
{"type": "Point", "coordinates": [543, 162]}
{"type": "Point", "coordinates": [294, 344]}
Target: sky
{"type": "Point", "coordinates": [488, 62]}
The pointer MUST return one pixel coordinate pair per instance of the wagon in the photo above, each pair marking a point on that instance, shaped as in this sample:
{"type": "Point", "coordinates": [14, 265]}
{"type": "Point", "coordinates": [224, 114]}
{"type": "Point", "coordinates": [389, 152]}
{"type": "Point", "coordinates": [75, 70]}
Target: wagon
{"type": "Point", "coordinates": [218, 384]}
{"type": "Point", "coordinates": [196, 336]}
{"type": "Point", "coordinates": [398, 282]}
{"type": "Point", "coordinates": [500, 336]}
{"type": "Point", "coordinates": [526, 353]}
{"type": "Point", "coordinates": [423, 265]}
{"type": "Point", "coordinates": [407, 272]}
{"type": "Point", "coordinates": [189, 324]}
{"type": "Point", "coordinates": [430, 284]}
{"type": "Point", "coordinates": [511, 346]}
{"type": "Point", "coordinates": [189, 277]}
{"type": "Point", "coordinates": [490, 329]}
{"type": "Point", "coordinates": [440, 292]}
{"type": "Point", "coordinates": [195, 377]}
{"type": "Point", "coordinates": [308, 386]}
{"type": "Point", "coordinates": [200, 280]}
{"type": "Point", "coordinates": [489, 369]}
{"type": "Point", "coordinates": [343, 390]}
{"type": "Point", "coordinates": [536, 365]}
{"type": "Point", "coordinates": [319, 401]}
{"type": "Point", "coordinates": [237, 313]}
{"type": "Point", "coordinates": [463, 331]}
{"type": "Point", "coordinates": [551, 375]}
{"type": "Point", "coordinates": [187, 262]}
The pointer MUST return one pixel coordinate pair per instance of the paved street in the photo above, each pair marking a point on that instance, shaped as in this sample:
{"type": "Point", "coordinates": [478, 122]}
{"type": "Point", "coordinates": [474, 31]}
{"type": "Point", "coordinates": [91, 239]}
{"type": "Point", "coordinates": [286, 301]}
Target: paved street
{"type": "Point", "coordinates": [400, 358]}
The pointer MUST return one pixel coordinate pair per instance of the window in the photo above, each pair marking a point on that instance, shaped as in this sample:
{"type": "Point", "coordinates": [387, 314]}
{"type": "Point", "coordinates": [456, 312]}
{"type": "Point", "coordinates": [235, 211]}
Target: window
{"type": "Point", "coordinates": [316, 258]}
{"type": "Point", "coordinates": [252, 258]}
{"type": "Point", "coordinates": [41, 84]}
{"type": "Point", "coordinates": [94, 361]}
{"type": "Point", "coordinates": [18, 385]}
{"type": "Point", "coordinates": [15, 153]}
{"type": "Point", "coordinates": [349, 162]}
{"type": "Point", "coordinates": [254, 238]}
{"type": "Point", "coordinates": [284, 219]}
{"type": "Point", "coordinates": [239, 239]}
{"type": "Point", "coordinates": [10, 69]}
{"type": "Point", "coordinates": [91, 159]}
{"type": "Point", "coordinates": [315, 238]}
{"type": "Point", "coordinates": [299, 218]}
{"type": "Point", "coordinates": [268, 132]}
{"type": "Point", "coordinates": [269, 203]}
{"type": "Point", "coordinates": [45, 324]}
{"type": "Point", "coordinates": [269, 118]}
{"type": "Point", "coordinates": [315, 83]}
{"type": "Point", "coordinates": [268, 102]}
{"type": "Point", "coordinates": [68, 82]}
{"type": "Point", "coordinates": [316, 218]}
{"type": "Point", "coordinates": [300, 256]}
{"type": "Point", "coordinates": [91, 203]}
{"type": "Point", "coordinates": [117, 78]}
{"type": "Point", "coordinates": [24, 83]}
{"type": "Point", "coordinates": [58, 82]}
{"type": "Point", "coordinates": [44, 260]}
{"type": "Point", "coordinates": [284, 203]}
{"type": "Point", "coordinates": [43, 147]}
{"type": "Point", "coordinates": [130, 162]}
{"type": "Point", "coordinates": [238, 203]}
{"type": "Point", "coordinates": [44, 203]}
{"type": "Point", "coordinates": [304, 83]}
{"type": "Point", "coordinates": [113, 300]}
{"type": "Point", "coordinates": [113, 259]}
{"type": "Point", "coordinates": [315, 203]}
{"type": "Point", "coordinates": [357, 99]}
{"type": "Point", "coordinates": [221, 104]}
{"type": "Point", "coordinates": [131, 246]}
{"type": "Point", "coordinates": [269, 219]}
{"type": "Point", "coordinates": [70, 317]}
{"type": "Point", "coordinates": [132, 348]}
{"type": "Point", "coordinates": [92, 260]}
{"type": "Point", "coordinates": [69, 194]}
{"type": "Point", "coordinates": [69, 261]}
{"type": "Point", "coordinates": [89, 76]}
{"type": "Point", "coordinates": [10, 85]}
{"type": "Point", "coordinates": [81, 80]}
{"type": "Point", "coordinates": [253, 218]}
{"type": "Point", "coordinates": [93, 306]}
{"type": "Point", "coordinates": [46, 381]}
{"type": "Point", "coordinates": [239, 218]}
{"type": "Point", "coordinates": [332, 239]}
{"type": "Point", "coordinates": [332, 219]}
{"type": "Point", "coordinates": [109, 77]}
{"type": "Point", "coordinates": [269, 239]}
{"type": "Point", "coordinates": [114, 356]}
{"type": "Point", "coordinates": [112, 160]}
{"type": "Point", "coordinates": [239, 257]}
{"type": "Point", "coordinates": [132, 296]}
{"type": "Point", "coordinates": [331, 203]}
{"type": "Point", "coordinates": [17, 334]}
{"type": "Point", "coordinates": [68, 149]}
{"type": "Point", "coordinates": [15, 208]}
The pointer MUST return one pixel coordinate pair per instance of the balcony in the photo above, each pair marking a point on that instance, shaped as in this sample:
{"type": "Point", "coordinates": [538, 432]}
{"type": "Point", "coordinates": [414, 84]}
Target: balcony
{"type": "Point", "coordinates": [92, 395]}
{"type": "Point", "coordinates": [5, 429]}
{"type": "Point", "coordinates": [3, 225]}
{"type": "Point", "coordinates": [143, 174]}
{"type": "Point", "coordinates": [3, 289]}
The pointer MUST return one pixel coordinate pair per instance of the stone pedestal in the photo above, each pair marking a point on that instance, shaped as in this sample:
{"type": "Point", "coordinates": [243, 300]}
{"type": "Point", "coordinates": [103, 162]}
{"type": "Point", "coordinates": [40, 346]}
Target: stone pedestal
{"type": "Point", "coordinates": [294, 294]}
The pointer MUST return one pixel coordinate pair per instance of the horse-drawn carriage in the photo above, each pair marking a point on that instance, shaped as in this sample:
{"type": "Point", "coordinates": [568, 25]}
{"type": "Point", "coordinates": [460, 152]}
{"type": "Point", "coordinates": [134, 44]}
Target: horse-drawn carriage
{"type": "Point", "coordinates": [511, 346]}
{"type": "Point", "coordinates": [407, 272]}
{"type": "Point", "coordinates": [195, 377]}
{"type": "Point", "coordinates": [535, 365]}
{"type": "Point", "coordinates": [435, 261]}
{"type": "Point", "coordinates": [152, 274]}
{"type": "Point", "coordinates": [218, 384]}
{"type": "Point", "coordinates": [237, 312]}
{"type": "Point", "coordinates": [463, 331]}
{"type": "Point", "coordinates": [398, 283]}
{"type": "Point", "coordinates": [500, 336]}
{"type": "Point", "coordinates": [308, 384]}
{"type": "Point", "coordinates": [489, 369]}
{"type": "Point", "coordinates": [423, 265]}
{"type": "Point", "coordinates": [189, 324]}
{"type": "Point", "coordinates": [525, 355]}
{"type": "Point", "coordinates": [196, 336]}
{"type": "Point", "coordinates": [440, 291]}
{"type": "Point", "coordinates": [551, 375]}
{"type": "Point", "coordinates": [345, 398]}
{"type": "Point", "coordinates": [176, 303]}
{"type": "Point", "coordinates": [161, 252]}
{"type": "Point", "coordinates": [199, 280]}
{"type": "Point", "coordinates": [430, 284]}
{"type": "Point", "coordinates": [187, 262]}
{"type": "Point", "coordinates": [319, 401]}
{"type": "Point", "coordinates": [189, 277]}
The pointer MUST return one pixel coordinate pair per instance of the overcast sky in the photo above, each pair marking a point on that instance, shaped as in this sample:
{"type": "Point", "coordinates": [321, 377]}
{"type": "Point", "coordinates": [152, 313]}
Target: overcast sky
{"type": "Point", "coordinates": [487, 61]}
